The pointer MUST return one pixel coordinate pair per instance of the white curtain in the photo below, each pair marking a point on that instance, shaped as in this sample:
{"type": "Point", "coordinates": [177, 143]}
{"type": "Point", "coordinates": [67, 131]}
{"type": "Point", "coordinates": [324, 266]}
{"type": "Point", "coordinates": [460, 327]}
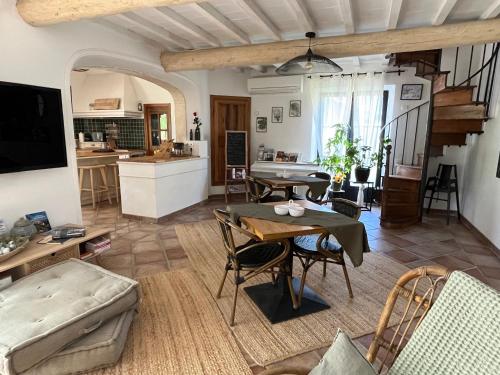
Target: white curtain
{"type": "Point", "coordinates": [367, 108]}
{"type": "Point", "coordinates": [331, 101]}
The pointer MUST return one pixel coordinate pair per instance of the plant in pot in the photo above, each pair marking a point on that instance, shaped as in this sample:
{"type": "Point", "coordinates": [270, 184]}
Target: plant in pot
{"type": "Point", "coordinates": [340, 155]}
{"type": "Point", "coordinates": [198, 123]}
{"type": "Point", "coordinates": [364, 161]}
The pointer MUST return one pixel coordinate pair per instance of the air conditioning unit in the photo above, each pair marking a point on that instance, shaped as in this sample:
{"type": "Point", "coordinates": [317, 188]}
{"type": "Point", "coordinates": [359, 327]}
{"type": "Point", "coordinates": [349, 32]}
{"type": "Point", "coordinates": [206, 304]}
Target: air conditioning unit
{"type": "Point", "coordinates": [276, 85]}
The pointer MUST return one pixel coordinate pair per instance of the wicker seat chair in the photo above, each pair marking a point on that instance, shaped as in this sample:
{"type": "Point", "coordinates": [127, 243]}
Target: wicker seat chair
{"type": "Point", "coordinates": [415, 290]}
{"type": "Point", "coordinates": [325, 248]}
{"type": "Point", "coordinates": [254, 257]}
{"type": "Point", "coordinates": [260, 192]}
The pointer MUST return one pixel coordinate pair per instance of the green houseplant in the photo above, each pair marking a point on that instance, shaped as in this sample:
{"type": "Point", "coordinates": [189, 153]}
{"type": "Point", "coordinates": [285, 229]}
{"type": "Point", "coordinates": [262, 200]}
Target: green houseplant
{"type": "Point", "coordinates": [365, 160]}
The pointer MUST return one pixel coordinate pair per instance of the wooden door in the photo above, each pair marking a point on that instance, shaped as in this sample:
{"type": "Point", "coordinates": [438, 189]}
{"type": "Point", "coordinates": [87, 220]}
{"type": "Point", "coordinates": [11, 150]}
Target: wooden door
{"type": "Point", "coordinates": [157, 126]}
{"type": "Point", "coordinates": [227, 113]}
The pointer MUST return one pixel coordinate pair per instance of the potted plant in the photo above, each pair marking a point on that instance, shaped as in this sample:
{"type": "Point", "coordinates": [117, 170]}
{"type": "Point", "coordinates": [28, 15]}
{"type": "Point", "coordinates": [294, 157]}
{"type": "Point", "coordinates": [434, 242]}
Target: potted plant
{"type": "Point", "coordinates": [365, 160]}
{"type": "Point", "coordinates": [198, 123]}
{"type": "Point", "coordinates": [340, 156]}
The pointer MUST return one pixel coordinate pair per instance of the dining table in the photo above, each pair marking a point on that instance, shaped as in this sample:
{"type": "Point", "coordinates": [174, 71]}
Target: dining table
{"type": "Point", "coordinates": [275, 300]}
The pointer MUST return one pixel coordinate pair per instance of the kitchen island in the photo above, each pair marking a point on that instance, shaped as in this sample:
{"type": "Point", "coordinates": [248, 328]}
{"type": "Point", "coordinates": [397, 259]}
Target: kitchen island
{"type": "Point", "coordinates": [154, 188]}
{"type": "Point", "coordinates": [86, 157]}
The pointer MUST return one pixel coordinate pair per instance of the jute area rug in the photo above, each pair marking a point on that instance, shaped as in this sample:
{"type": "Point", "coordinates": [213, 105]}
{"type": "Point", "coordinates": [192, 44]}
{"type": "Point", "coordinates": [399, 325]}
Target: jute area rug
{"type": "Point", "coordinates": [179, 330]}
{"type": "Point", "coordinates": [267, 343]}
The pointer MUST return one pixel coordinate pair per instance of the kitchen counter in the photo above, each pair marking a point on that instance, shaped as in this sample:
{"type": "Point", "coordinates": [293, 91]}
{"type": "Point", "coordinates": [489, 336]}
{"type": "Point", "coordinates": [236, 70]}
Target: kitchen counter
{"type": "Point", "coordinates": [121, 154]}
{"type": "Point", "coordinates": [154, 160]}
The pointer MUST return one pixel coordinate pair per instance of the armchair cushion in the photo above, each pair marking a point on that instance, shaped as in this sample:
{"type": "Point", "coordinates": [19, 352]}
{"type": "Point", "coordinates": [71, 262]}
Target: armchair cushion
{"type": "Point", "coordinates": [258, 255]}
{"type": "Point", "coordinates": [308, 244]}
{"type": "Point", "coordinates": [459, 336]}
{"type": "Point", "coordinates": [343, 358]}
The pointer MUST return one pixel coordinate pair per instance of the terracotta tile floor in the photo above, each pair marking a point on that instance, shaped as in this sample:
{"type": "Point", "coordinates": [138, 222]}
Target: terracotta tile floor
{"type": "Point", "coordinates": [141, 249]}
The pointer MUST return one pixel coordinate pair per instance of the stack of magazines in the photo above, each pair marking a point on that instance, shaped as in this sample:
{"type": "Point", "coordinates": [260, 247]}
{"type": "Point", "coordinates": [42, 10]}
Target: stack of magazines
{"type": "Point", "coordinates": [65, 232]}
{"type": "Point", "coordinates": [98, 245]}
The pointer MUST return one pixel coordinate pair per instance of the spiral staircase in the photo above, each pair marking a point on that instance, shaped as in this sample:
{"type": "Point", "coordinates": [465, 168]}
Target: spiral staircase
{"type": "Point", "coordinates": [453, 112]}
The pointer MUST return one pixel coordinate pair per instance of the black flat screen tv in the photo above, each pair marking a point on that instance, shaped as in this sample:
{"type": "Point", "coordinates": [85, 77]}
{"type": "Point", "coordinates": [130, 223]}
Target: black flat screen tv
{"type": "Point", "coordinates": [31, 128]}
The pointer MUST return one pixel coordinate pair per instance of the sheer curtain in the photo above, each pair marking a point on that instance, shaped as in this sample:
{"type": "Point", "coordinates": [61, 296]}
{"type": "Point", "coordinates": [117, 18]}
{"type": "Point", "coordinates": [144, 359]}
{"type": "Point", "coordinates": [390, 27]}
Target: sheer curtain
{"type": "Point", "coordinates": [367, 108]}
{"type": "Point", "coordinates": [331, 102]}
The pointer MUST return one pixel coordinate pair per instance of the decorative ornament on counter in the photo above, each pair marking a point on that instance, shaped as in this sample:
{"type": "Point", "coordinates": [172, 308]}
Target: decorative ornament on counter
{"type": "Point", "coordinates": [190, 134]}
{"type": "Point", "coordinates": [23, 228]}
{"type": "Point", "coordinates": [198, 123]}
{"type": "Point", "coordinates": [41, 221]}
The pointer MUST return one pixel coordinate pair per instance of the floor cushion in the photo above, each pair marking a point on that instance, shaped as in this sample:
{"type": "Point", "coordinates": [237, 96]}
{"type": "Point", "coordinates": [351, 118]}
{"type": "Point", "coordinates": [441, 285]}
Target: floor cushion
{"type": "Point", "coordinates": [45, 311]}
{"type": "Point", "coordinates": [101, 348]}
{"type": "Point", "coordinates": [343, 358]}
{"type": "Point", "coordinates": [459, 336]}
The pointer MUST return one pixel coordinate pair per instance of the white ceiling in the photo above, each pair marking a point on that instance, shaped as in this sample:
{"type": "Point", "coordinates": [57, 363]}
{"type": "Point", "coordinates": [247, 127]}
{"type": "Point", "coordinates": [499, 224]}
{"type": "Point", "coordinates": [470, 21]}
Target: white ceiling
{"type": "Point", "coordinates": [215, 23]}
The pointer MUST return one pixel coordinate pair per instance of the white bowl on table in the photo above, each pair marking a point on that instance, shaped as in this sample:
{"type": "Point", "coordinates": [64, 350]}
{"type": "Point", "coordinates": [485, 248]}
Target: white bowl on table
{"type": "Point", "coordinates": [296, 211]}
{"type": "Point", "coordinates": [281, 209]}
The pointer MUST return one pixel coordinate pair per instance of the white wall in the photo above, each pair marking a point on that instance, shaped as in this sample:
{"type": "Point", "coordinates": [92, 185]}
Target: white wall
{"type": "Point", "coordinates": [44, 57]}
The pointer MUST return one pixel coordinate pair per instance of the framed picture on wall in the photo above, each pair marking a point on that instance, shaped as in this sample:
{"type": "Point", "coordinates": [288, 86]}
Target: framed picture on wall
{"type": "Point", "coordinates": [411, 91]}
{"type": "Point", "coordinates": [295, 108]}
{"type": "Point", "coordinates": [261, 124]}
{"type": "Point", "coordinates": [277, 114]}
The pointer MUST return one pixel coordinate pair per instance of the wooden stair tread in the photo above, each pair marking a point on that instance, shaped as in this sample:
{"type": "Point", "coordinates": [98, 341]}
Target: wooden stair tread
{"type": "Point", "coordinates": [432, 73]}
{"type": "Point", "coordinates": [404, 177]}
{"type": "Point", "coordinates": [455, 88]}
{"type": "Point", "coordinates": [472, 102]}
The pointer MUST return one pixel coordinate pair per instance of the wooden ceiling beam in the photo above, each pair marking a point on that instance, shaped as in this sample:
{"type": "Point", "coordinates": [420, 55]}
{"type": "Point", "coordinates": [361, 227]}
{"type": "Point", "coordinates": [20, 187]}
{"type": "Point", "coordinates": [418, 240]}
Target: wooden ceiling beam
{"type": "Point", "coordinates": [254, 11]}
{"type": "Point", "coordinates": [394, 11]}
{"type": "Point", "coordinates": [492, 11]}
{"type": "Point", "coordinates": [209, 10]}
{"type": "Point", "coordinates": [49, 12]}
{"type": "Point", "coordinates": [302, 14]}
{"type": "Point", "coordinates": [422, 38]}
{"type": "Point", "coordinates": [443, 12]}
{"type": "Point", "coordinates": [183, 23]}
{"type": "Point", "coordinates": [347, 16]}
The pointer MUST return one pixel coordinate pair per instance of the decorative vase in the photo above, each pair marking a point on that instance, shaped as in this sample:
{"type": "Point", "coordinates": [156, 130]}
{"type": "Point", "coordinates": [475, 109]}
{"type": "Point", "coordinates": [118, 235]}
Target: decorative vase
{"type": "Point", "coordinates": [23, 228]}
{"type": "Point", "coordinates": [197, 134]}
{"type": "Point", "coordinates": [190, 134]}
{"type": "Point", "coordinates": [336, 186]}
{"type": "Point", "coordinates": [362, 174]}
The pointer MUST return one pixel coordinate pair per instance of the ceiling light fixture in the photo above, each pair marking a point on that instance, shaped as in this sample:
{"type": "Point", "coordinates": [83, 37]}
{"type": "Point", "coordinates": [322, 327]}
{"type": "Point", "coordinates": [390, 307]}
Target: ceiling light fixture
{"type": "Point", "coordinates": [309, 63]}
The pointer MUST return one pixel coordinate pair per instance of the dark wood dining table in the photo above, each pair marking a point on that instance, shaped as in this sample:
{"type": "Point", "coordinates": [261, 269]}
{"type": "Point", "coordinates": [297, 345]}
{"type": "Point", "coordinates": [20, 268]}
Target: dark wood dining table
{"type": "Point", "coordinates": [285, 183]}
{"type": "Point", "coordinates": [275, 300]}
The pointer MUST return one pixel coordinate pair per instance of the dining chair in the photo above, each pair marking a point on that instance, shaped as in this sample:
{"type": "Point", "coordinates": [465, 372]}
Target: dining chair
{"type": "Point", "coordinates": [308, 195]}
{"type": "Point", "coordinates": [324, 247]}
{"type": "Point", "coordinates": [261, 192]}
{"type": "Point", "coordinates": [252, 258]}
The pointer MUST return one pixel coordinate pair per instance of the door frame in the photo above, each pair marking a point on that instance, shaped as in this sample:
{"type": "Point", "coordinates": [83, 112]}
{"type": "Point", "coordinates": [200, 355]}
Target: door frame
{"type": "Point", "coordinates": [213, 150]}
{"type": "Point", "coordinates": [148, 109]}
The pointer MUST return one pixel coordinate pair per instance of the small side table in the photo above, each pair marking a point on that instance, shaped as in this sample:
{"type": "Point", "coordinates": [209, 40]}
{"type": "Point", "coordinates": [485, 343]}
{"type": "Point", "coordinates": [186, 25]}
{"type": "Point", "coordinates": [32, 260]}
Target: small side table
{"type": "Point", "coordinates": [365, 205]}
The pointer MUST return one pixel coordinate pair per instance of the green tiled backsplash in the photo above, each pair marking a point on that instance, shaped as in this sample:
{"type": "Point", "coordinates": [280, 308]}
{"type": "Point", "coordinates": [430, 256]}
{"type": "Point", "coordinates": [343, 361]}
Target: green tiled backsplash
{"type": "Point", "coordinates": [131, 130]}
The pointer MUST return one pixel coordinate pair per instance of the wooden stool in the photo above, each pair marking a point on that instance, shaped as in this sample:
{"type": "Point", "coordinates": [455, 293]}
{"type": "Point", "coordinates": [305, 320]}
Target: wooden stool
{"type": "Point", "coordinates": [93, 187]}
{"type": "Point", "coordinates": [116, 185]}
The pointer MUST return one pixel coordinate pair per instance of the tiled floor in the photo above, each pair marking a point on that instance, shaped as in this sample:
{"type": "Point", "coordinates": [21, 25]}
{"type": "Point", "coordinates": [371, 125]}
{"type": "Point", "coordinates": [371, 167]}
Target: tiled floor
{"type": "Point", "coordinates": [141, 249]}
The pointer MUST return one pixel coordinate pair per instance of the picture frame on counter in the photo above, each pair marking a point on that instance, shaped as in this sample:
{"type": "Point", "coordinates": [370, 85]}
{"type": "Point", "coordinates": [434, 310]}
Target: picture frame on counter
{"type": "Point", "coordinates": [295, 108]}
{"type": "Point", "coordinates": [261, 125]}
{"type": "Point", "coordinates": [277, 115]}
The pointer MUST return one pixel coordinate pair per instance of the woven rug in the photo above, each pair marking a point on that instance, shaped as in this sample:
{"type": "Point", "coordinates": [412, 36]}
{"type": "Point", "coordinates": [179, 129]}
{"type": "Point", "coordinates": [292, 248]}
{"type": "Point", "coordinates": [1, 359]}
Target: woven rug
{"type": "Point", "coordinates": [267, 343]}
{"type": "Point", "coordinates": [179, 330]}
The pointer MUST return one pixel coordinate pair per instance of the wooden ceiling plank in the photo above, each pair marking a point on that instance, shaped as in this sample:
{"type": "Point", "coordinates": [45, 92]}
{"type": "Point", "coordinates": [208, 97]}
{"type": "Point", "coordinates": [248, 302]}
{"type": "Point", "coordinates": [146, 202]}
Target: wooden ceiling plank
{"type": "Point", "coordinates": [154, 29]}
{"type": "Point", "coordinates": [347, 16]}
{"type": "Point", "coordinates": [190, 27]}
{"type": "Point", "coordinates": [209, 10]}
{"type": "Point", "coordinates": [492, 11]}
{"type": "Point", "coordinates": [443, 12]}
{"type": "Point", "coordinates": [253, 10]}
{"type": "Point", "coordinates": [394, 11]}
{"type": "Point", "coordinates": [49, 12]}
{"type": "Point", "coordinates": [302, 14]}
{"type": "Point", "coordinates": [393, 41]}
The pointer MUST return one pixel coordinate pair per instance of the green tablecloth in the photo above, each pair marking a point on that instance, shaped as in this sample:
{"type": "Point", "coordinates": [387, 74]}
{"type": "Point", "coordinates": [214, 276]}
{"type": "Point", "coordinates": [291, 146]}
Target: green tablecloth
{"type": "Point", "coordinates": [350, 233]}
{"type": "Point", "coordinates": [317, 185]}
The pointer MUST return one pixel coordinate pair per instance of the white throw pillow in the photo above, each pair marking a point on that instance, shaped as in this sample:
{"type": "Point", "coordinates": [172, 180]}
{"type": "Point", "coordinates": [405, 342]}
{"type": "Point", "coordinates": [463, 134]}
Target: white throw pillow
{"type": "Point", "coordinates": [343, 358]}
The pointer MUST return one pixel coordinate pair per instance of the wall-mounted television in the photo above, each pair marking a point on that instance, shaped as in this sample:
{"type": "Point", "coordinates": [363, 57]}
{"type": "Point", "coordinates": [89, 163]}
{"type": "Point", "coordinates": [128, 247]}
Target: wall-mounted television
{"type": "Point", "coordinates": [31, 128]}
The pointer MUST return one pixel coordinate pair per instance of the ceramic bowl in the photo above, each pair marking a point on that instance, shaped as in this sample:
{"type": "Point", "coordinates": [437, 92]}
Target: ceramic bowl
{"type": "Point", "coordinates": [281, 209]}
{"type": "Point", "coordinates": [291, 203]}
{"type": "Point", "coordinates": [296, 211]}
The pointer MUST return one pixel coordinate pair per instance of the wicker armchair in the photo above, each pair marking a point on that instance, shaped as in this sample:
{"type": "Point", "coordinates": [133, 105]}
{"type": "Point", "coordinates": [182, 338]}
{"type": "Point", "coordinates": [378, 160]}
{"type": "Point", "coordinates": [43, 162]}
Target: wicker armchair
{"type": "Point", "coordinates": [252, 258]}
{"type": "Point", "coordinates": [417, 291]}
{"type": "Point", "coordinates": [260, 192]}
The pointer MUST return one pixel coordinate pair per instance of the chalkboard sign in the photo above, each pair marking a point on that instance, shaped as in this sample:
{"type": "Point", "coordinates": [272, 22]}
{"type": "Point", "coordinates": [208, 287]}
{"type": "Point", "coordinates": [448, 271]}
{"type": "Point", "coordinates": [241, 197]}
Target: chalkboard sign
{"type": "Point", "coordinates": [236, 148]}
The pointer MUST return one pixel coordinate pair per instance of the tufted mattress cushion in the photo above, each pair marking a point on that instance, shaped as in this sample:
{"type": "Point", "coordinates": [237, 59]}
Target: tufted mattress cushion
{"type": "Point", "coordinates": [44, 312]}
{"type": "Point", "coordinates": [101, 348]}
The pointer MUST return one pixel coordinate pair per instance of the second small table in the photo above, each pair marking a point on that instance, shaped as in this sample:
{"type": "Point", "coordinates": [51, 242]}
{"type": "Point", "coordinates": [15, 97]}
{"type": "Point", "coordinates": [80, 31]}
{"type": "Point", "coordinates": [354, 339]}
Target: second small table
{"type": "Point", "coordinates": [365, 204]}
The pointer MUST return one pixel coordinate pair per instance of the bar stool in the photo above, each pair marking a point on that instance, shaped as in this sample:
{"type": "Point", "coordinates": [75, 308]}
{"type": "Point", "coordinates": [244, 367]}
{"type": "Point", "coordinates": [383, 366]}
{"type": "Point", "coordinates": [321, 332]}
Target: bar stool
{"type": "Point", "coordinates": [94, 188]}
{"type": "Point", "coordinates": [116, 180]}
